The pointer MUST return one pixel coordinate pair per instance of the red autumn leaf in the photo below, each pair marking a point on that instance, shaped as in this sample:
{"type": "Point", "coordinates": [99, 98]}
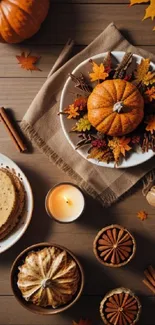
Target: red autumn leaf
{"type": "Point", "coordinates": [28, 61]}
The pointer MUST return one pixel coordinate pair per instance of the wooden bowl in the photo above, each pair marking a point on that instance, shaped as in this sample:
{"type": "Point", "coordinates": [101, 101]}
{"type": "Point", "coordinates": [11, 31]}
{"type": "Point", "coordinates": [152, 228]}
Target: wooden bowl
{"type": "Point", "coordinates": [30, 306]}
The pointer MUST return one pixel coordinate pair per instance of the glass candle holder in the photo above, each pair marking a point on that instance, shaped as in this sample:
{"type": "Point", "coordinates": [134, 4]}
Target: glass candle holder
{"type": "Point", "coordinates": [65, 202]}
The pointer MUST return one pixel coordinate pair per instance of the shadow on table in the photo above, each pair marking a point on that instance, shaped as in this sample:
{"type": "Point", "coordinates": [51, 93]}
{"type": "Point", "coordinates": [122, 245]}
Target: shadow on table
{"type": "Point", "coordinates": [40, 224]}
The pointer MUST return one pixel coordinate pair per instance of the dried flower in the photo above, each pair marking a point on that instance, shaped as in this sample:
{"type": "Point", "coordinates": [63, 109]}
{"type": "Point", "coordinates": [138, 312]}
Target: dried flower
{"type": "Point", "coordinates": [99, 143]}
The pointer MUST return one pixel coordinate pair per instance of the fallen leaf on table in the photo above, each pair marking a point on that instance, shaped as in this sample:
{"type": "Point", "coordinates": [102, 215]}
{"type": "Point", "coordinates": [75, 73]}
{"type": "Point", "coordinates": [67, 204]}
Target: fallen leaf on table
{"type": "Point", "coordinates": [119, 146]}
{"type": "Point", "coordinates": [28, 61]}
{"type": "Point", "coordinates": [150, 11]}
{"type": "Point", "coordinates": [82, 125]}
{"type": "Point", "coordinates": [83, 322]}
{"type": "Point", "coordinates": [72, 111]}
{"type": "Point", "coordinates": [98, 72]}
{"type": "Point", "coordinates": [150, 94]}
{"type": "Point", "coordinates": [141, 72]}
{"type": "Point", "coordinates": [150, 121]}
{"type": "Point", "coordinates": [142, 215]}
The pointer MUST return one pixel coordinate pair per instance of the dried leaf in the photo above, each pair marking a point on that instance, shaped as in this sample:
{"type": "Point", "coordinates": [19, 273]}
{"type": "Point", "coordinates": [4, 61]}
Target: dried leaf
{"type": "Point", "coordinates": [142, 215]}
{"type": "Point", "coordinates": [82, 125]}
{"type": "Point", "coordinates": [71, 111]}
{"type": "Point", "coordinates": [81, 83]}
{"type": "Point", "coordinates": [150, 11]}
{"type": "Point", "coordinates": [122, 66]}
{"type": "Point", "coordinates": [83, 322]}
{"type": "Point", "coordinates": [81, 103]}
{"type": "Point", "coordinates": [28, 62]}
{"type": "Point", "coordinates": [150, 94]}
{"type": "Point", "coordinates": [105, 155]}
{"type": "Point", "coordinates": [98, 72]}
{"type": "Point", "coordinates": [150, 121]}
{"type": "Point", "coordinates": [119, 147]}
{"type": "Point", "coordinates": [107, 62]}
{"type": "Point", "coordinates": [149, 79]}
{"type": "Point", "coordinates": [141, 72]}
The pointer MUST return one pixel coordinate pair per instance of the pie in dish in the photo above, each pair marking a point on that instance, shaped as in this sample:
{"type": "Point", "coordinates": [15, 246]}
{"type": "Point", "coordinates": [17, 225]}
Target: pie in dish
{"type": "Point", "coordinates": [12, 201]}
{"type": "Point", "coordinates": [48, 277]}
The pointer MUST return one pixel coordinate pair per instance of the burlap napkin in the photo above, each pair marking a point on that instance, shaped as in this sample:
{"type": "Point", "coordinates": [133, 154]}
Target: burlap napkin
{"type": "Point", "coordinates": [41, 124]}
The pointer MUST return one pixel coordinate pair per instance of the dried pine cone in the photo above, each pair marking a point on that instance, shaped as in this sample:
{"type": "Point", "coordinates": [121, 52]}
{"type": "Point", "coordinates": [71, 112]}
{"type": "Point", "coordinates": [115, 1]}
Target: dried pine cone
{"type": "Point", "coordinates": [120, 307]}
{"type": "Point", "coordinates": [114, 246]}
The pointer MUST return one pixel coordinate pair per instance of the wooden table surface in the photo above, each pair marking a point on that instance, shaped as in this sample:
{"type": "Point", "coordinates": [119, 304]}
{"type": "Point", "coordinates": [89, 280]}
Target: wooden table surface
{"type": "Point", "coordinates": [82, 20]}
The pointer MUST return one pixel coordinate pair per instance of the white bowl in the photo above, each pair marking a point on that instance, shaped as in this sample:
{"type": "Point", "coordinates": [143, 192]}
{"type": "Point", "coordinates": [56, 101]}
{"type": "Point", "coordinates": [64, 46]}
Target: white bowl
{"type": "Point", "coordinates": [68, 96]}
{"type": "Point", "coordinates": [22, 225]}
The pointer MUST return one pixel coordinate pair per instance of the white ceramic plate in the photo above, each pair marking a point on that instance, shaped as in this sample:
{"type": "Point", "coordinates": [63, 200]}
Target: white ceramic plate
{"type": "Point", "coordinates": [68, 96]}
{"type": "Point", "coordinates": [21, 227]}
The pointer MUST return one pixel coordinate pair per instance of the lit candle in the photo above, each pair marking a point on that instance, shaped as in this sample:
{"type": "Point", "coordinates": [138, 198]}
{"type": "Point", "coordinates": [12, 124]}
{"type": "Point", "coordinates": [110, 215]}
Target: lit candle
{"type": "Point", "coordinates": [65, 202]}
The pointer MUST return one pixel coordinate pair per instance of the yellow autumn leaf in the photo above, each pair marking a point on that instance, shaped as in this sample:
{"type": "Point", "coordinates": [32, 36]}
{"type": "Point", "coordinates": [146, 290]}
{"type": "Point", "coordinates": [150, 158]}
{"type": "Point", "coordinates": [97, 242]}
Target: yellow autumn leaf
{"type": "Point", "coordinates": [119, 146]}
{"type": "Point", "coordinates": [141, 72]}
{"type": "Point", "coordinates": [150, 11]}
{"type": "Point", "coordinates": [98, 72]}
{"type": "Point", "coordinates": [149, 79]}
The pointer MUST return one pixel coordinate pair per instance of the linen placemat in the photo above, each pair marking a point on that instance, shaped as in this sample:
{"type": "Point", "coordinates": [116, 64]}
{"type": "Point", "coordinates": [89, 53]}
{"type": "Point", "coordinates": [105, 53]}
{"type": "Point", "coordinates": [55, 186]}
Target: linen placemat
{"type": "Point", "coordinates": [42, 125]}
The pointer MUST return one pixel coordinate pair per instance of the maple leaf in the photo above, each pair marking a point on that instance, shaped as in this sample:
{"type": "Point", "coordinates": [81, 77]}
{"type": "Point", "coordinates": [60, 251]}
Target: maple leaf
{"type": "Point", "coordinates": [150, 11]}
{"type": "Point", "coordinates": [150, 94]}
{"type": "Point", "coordinates": [141, 71]}
{"type": "Point", "coordinates": [71, 111]}
{"type": "Point", "coordinates": [142, 215]}
{"type": "Point", "coordinates": [119, 146]}
{"type": "Point", "coordinates": [150, 121]}
{"type": "Point", "coordinates": [28, 62]}
{"type": "Point", "coordinates": [149, 79]}
{"type": "Point", "coordinates": [82, 125]}
{"type": "Point", "coordinates": [98, 72]}
{"type": "Point", "coordinates": [83, 322]}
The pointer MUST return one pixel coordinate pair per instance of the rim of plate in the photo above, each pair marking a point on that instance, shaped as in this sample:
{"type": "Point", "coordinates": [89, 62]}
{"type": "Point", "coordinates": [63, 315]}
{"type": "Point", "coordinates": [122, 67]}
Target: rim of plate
{"type": "Point", "coordinates": [29, 215]}
{"type": "Point", "coordinates": [150, 153]}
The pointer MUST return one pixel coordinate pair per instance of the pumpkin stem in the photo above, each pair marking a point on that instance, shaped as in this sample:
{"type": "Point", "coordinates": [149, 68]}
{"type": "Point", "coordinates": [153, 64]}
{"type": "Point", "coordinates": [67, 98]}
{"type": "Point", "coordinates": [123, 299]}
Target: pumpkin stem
{"type": "Point", "coordinates": [46, 283]}
{"type": "Point", "coordinates": [118, 107]}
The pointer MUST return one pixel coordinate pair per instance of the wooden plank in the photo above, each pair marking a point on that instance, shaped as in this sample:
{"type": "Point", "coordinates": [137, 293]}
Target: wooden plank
{"type": "Point", "coordinates": [86, 308]}
{"type": "Point", "coordinates": [83, 22]}
{"type": "Point", "coordinates": [9, 66]}
{"type": "Point", "coordinates": [18, 93]}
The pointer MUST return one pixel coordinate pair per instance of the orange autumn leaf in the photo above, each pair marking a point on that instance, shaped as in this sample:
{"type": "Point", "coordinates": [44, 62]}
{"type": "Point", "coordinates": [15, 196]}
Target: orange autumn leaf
{"type": "Point", "coordinates": [98, 72]}
{"type": "Point", "coordinates": [71, 111]}
{"type": "Point", "coordinates": [28, 61]}
{"type": "Point", "coordinates": [150, 94]}
{"type": "Point", "coordinates": [119, 147]}
{"type": "Point", "coordinates": [141, 71]}
{"type": "Point", "coordinates": [83, 322]}
{"type": "Point", "coordinates": [150, 11]}
{"type": "Point", "coordinates": [142, 215]}
{"type": "Point", "coordinates": [150, 121]}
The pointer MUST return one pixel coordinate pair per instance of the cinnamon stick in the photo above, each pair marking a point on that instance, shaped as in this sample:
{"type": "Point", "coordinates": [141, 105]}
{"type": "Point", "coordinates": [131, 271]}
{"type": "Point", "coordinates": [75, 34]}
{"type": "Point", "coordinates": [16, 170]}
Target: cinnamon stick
{"type": "Point", "coordinates": [149, 285]}
{"type": "Point", "coordinates": [12, 131]}
{"type": "Point", "coordinates": [62, 58]}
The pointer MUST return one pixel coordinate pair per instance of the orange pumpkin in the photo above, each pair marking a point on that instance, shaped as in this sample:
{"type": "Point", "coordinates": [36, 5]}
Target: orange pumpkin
{"type": "Point", "coordinates": [20, 19]}
{"type": "Point", "coordinates": [115, 107]}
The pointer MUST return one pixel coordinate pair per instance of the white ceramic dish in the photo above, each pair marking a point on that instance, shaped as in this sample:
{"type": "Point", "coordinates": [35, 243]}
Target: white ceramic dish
{"type": "Point", "coordinates": [21, 227]}
{"type": "Point", "coordinates": [68, 96]}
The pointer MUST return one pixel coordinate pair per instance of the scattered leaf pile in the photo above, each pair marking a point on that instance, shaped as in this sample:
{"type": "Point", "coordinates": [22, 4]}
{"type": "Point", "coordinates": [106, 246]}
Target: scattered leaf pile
{"type": "Point", "coordinates": [150, 11]}
{"type": "Point", "coordinates": [28, 62]}
{"type": "Point", "coordinates": [100, 146]}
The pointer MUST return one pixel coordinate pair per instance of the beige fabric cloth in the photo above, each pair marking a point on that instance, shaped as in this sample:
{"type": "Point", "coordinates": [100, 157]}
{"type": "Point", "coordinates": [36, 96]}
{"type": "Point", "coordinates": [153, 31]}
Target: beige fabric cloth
{"type": "Point", "coordinates": [41, 124]}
